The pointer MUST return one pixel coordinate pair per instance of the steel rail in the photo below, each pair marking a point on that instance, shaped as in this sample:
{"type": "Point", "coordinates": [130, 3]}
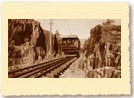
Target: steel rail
{"type": "Point", "coordinates": [25, 70]}
{"type": "Point", "coordinates": [39, 70]}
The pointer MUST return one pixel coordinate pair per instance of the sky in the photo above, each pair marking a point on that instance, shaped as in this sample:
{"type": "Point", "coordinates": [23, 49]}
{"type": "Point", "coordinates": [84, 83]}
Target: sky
{"type": "Point", "coordinates": [79, 27]}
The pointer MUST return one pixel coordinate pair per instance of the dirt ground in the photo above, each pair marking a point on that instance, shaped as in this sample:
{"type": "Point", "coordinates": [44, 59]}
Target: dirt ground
{"type": "Point", "coordinates": [81, 69]}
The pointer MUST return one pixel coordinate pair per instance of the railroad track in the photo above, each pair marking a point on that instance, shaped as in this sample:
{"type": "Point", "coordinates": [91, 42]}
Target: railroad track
{"type": "Point", "coordinates": [52, 69]}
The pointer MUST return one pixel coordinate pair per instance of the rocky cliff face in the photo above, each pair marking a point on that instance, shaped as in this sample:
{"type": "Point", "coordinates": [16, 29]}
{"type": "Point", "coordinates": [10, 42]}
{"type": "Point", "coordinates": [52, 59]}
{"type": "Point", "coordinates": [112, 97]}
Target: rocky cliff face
{"type": "Point", "coordinates": [56, 43]}
{"type": "Point", "coordinates": [28, 42]}
{"type": "Point", "coordinates": [104, 45]}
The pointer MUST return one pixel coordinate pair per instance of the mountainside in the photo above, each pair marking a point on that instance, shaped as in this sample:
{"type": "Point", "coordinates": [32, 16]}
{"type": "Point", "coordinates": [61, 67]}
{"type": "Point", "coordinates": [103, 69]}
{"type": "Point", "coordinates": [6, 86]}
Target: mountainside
{"type": "Point", "coordinates": [104, 45]}
{"type": "Point", "coordinates": [29, 42]}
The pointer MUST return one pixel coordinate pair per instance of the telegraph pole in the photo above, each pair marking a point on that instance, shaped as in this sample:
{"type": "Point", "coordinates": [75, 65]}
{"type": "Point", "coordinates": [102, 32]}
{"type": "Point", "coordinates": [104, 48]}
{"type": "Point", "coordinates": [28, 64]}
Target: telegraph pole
{"type": "Point", "coordinates": [51, 23]}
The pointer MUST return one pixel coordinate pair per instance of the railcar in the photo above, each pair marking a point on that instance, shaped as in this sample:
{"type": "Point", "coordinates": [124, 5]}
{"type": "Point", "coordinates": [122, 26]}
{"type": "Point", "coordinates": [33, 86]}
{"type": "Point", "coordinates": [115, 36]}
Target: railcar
{"type": "Point", "coordinates": [71, 45]}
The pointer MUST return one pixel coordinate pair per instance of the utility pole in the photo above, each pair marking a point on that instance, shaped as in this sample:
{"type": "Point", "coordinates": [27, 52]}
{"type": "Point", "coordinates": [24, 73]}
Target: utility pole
{"type": "Point", "coordinates": [51, 23]}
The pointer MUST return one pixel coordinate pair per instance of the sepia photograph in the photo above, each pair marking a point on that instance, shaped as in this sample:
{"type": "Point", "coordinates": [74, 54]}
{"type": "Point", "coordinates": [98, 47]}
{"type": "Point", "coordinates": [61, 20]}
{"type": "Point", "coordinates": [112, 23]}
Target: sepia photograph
{"type": "Point", "coordinates": [64, 48]}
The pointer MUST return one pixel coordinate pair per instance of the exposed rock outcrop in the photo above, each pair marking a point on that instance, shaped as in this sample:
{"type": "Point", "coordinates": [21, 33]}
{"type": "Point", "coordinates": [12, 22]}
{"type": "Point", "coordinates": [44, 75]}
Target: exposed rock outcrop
{"type": "Point", "coordinates": [107, 72]}
{"type": "Point", "coordinates": [103, 47]}
{"type": "Point", "coordinates": [29, 42]}
{"type": "Point", "coordinates": [102, 52]}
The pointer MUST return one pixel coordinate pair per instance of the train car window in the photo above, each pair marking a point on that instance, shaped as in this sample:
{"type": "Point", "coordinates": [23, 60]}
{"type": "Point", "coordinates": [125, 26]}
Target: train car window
{"type": "Point", "coordinates": [70, 42]}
